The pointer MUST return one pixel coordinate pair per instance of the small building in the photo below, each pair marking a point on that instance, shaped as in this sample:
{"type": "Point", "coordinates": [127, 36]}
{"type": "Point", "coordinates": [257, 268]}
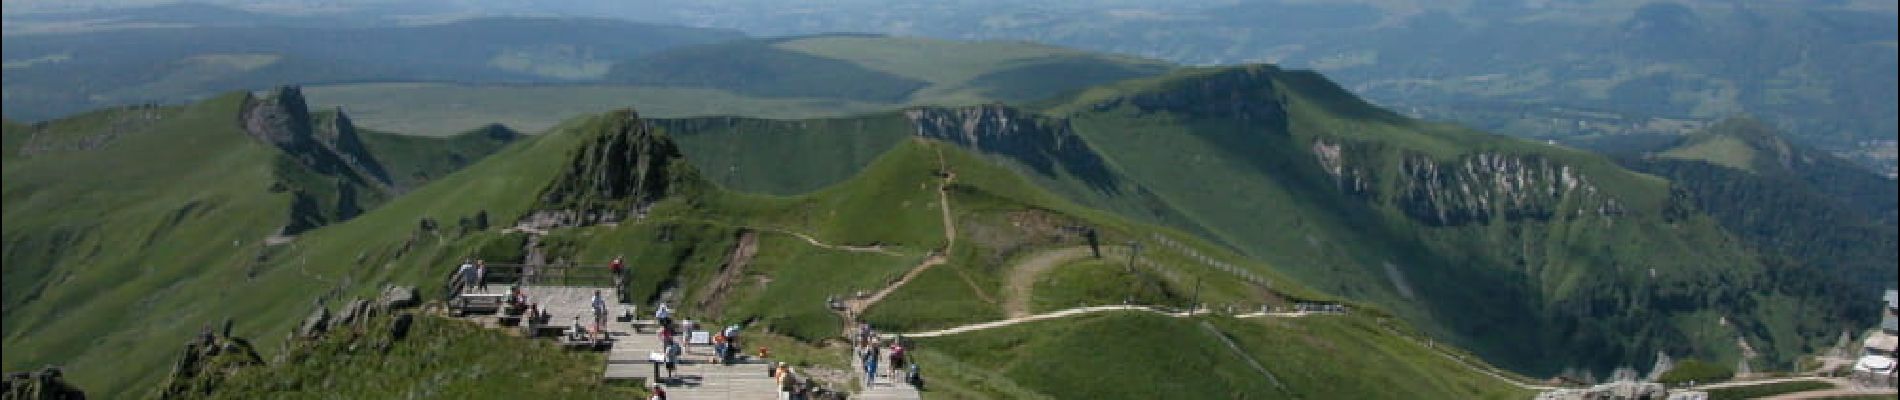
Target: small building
{"type": "Point", "coordinates": [1877, 364]}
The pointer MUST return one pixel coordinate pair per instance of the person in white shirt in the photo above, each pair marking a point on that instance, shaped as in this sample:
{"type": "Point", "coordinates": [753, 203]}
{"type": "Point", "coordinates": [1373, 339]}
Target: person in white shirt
{"type": "Point", "coordinates": [600, 311]}
{"type": "Point", "coordinates": [467, 273]}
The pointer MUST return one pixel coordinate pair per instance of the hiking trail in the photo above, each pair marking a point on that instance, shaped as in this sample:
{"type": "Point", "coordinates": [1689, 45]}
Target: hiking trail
{"type": "Point", "coordinates": [856, 307]}
{"type": "Point", "coordinates": [1022, 276]}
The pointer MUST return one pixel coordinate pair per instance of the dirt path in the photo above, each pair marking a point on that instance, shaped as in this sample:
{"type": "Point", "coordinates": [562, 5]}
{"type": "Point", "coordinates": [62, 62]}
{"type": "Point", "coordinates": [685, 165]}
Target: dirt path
{"type": "Point", "coordinates": [856, 307]}
{"type": "Point", "coordinates": [815, 242]}
{"type": "Point", "coordinates": [736, 262]}
{"type": "Point", "coordinates": [1021, 278]}
{"type": "Point", "coordinates": [1080, 311]}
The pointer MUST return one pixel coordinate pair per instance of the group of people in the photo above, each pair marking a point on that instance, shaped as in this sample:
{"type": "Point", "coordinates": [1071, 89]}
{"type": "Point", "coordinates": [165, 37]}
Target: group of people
{"type": "Point", "coordinates": [870, 349]}
{"type": "Point", "coordinates": [473, 273]}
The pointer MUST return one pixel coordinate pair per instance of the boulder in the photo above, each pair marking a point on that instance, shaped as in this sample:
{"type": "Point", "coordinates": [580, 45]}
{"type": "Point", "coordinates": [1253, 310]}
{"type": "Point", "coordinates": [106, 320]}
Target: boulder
{"type": "Point", "coordinates": [398, 297]}
{"type": "Point", "coordinates": [399, 328]}
{"type": "Point", "coordinates": [314, 325]}
{"type": "Point", "coordinates": [353, 312]}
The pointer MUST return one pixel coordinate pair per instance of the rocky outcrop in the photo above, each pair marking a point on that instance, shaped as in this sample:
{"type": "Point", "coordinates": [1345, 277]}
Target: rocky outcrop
{"type": "Point", "coordinates": [48, 383]}
{"type": "Point", "coordinates": [1623, 390]}
{"type": "Point", "coordinates": [354, 311]}
{"type": "Point", "coordinates": [1041, 143]}
{"type": "Point", "coordinates": [624, 167]}
{"type": "Point", "coordinates": [398, 297]}
{"type": "Point", "coordinates": [1348, 177]}
{"type": "Point", "coordinates": [205, 363]}
{"type": "Point", "coordinates": [330, 174]}
{"type": "Point", "coordinates": [1482, 187]}
{"type": "Point", "coordinates": [314, 325]}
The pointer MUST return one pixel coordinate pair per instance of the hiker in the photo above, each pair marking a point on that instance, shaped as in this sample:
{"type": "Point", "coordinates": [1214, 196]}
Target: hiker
{"type": "Point", "coordinates": [870, 364]}
{"type": "Point", "coordinates": [600, 309]}
{"type": "Point", "coordinates": [915, 379]}
{"type": "Point", "coordinates": [672, 358]}
{"type": "Point", "coordinates": [481, 275]}
{"type": "Point", "coordinates": [786, 382]}
{"type": "Point", "coordinates": [467, 274]}
{"type": "Point", "coordinates": [864, 334]}
{"type": "Point", "coordinates": [658, 392]}
{"type": "Point", "coordinates": [617, 267]}
{"type": "Point", "coordinates": [665, 315]}
{"type": "Point", "coordinates": [719, 348]}
{"type": "Point", "coordinates": [897, 359]}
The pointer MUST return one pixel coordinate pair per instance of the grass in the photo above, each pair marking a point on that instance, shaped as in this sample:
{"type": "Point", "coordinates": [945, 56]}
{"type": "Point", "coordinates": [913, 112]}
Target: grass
{"type": "Point", "coordinates": [1721, 150]}
{"type": "Point", "coordinates": [746, 154]}
{"type": "Point", "coordinates": [1766, 390]}
{"type": "Point", "coordinates": [1099, 282]}
{"type": "Point", "coordinates": [464, 361]}
{"type": "Point", "coordinates": [1352, 357]}
{"type": "Point", "coordinates": [1071, 358]}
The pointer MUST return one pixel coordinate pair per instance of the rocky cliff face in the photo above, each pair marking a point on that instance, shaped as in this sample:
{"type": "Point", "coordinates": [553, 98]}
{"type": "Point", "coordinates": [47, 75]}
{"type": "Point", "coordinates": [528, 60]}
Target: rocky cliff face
{"type": "Point", "coordinates": [1041, 143]}
{"type": "Point", "coordinates": [328, 146]}
{"type": "Point", "coordinates": [623, 168]}
{"type": "Point", "coordinates": [1485, 186]}
{"type": "Point", "coordinates": [330, 174]}
{"type": "Point", "coordinates": [1474, 189]}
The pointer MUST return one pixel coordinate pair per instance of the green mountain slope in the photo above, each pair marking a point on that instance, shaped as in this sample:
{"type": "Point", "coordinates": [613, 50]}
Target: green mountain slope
{"type": "Point", "coordinates": [1821, 213]}
{"type": "Point", "coordinates": [122, 223]}
{"type": "Point", "coordinates": [672, 224]}
{"type": "Point", "coordinates": [1537, 257]}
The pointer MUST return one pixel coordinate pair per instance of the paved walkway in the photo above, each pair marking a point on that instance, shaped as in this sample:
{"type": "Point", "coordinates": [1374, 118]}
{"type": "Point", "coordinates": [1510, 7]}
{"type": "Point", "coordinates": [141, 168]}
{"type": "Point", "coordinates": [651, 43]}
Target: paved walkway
{"type": "Point", "coordinates": [697, 376]}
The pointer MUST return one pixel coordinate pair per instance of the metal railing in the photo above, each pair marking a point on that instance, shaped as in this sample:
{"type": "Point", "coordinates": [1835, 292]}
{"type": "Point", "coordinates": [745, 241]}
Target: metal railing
{"type": "Point", "coordinates": [555, 274]}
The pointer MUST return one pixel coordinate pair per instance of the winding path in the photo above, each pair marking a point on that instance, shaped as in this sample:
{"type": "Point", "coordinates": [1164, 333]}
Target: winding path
{"type": "Point", "coordinates": [1021, 279]}
{"type": "Point", "coordinates": [1079, 311]}
{"type": "Point", "coordinates": [856, 307]}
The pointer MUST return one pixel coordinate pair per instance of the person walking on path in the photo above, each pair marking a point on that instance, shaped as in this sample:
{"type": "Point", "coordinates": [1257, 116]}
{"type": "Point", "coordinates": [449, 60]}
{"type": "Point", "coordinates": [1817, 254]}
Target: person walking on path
{"type": "Point", "coordinates": [672, 358]}
{"type": "Point", "coordinates": [870, 364]}
{"type": "Point", "coordinates": [618, 267]}
{"type": "Point", "coordinates": [658, 392]}
{"type": "Point", "coordinates": [897, 361]}
{"type": "Point", "coordinates": [600, 312]}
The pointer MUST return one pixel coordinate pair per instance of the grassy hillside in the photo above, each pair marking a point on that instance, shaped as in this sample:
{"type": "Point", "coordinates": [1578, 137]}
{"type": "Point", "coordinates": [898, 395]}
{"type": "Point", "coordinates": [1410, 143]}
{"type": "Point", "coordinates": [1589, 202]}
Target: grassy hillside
{"type": "Point", "coordinates": [1157, 356]}
{"type": "Point", "coordinates": [1824, 216]}
{"type": "Point", "coordinates": [415, 160]}
{"type": "Point", "coordinates": [135, 241]}
{"type": "Point", "coordinates": [1536, 256]}
{"type": "Point", "coordinates": [892, 205]}
{"type": "Point", "coordinates": [464, 361]}
{"type": "Point", "coordinates": [133, 224]}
